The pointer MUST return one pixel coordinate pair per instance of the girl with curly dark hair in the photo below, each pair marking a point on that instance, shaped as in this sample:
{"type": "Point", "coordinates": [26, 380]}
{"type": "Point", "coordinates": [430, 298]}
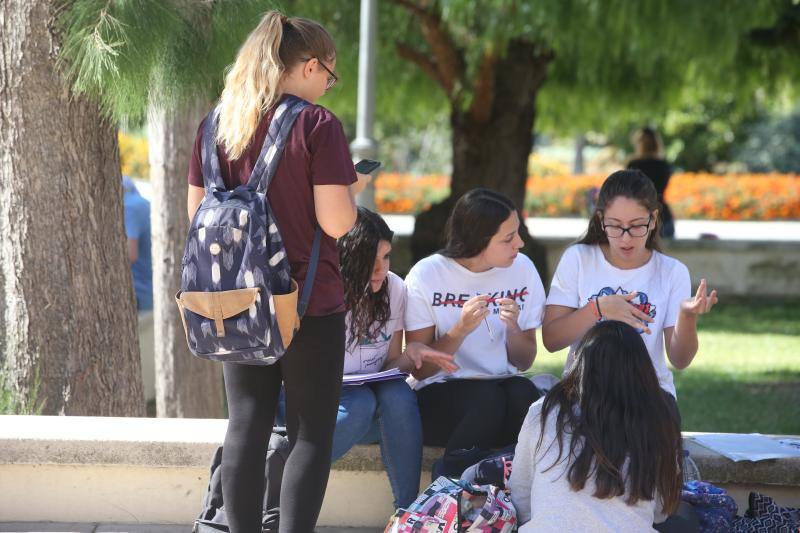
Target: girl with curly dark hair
{"type": "Point", "coordinates": [386, 411]}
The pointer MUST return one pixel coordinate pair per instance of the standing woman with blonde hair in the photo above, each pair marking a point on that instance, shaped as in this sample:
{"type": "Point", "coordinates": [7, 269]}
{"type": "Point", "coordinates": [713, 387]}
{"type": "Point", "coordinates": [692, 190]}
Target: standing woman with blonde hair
{"type": "Point", "coordinates": [314, 185]}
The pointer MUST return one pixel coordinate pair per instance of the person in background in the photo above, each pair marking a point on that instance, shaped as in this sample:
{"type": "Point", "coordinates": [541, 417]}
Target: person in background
{"type": "Point", "coordinates": [649, 158]}
{"type": "Point", "coordinates": [137, 230]}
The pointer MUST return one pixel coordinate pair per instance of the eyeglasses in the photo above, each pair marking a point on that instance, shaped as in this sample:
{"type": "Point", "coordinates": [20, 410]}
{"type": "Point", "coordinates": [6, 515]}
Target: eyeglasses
{"type": "Point", "coordinates": [639, 230]}
{"type": "Point", "coordinates": [332, 77]}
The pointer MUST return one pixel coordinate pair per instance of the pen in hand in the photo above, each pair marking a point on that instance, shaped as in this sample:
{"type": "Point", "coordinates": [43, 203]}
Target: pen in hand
{"type": "Point", "coordinates": [491, 333]}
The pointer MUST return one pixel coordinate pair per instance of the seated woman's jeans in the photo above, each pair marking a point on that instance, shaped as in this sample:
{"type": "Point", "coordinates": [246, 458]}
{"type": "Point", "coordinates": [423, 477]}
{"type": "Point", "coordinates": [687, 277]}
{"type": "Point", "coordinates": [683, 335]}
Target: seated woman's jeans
{"type": "Point", "coordinates": [361, 420]}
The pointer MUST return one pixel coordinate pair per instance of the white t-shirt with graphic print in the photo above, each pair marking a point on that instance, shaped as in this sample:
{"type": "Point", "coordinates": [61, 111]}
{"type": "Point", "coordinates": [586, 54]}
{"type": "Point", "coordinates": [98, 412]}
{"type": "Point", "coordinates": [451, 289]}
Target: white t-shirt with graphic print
{"type": "Point", "coordinates": [369, 355]}
{"type": "Point", "coordinates": [662, 283]}
{"type": "Point", "coordinates": [437, 289]}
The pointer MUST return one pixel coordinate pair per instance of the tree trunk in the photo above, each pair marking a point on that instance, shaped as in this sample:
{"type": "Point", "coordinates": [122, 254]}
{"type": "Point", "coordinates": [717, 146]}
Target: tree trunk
{"type": "Point", "coordinates": [70, 317]}
{"type": "Point", "coordinates": [491, 149]}
{"type": "Point", "coordinates": [185, 385]}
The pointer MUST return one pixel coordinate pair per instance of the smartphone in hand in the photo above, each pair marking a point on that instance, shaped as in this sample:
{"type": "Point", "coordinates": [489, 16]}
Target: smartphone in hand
{"type": "Point", "coordinates": [366, 166]}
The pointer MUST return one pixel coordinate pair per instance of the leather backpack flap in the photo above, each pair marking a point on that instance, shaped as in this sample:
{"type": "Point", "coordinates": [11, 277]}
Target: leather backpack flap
{"type": "Point", "coordinates": [218, 305]}
{"type": "Point", "coordinates": [286, 314]}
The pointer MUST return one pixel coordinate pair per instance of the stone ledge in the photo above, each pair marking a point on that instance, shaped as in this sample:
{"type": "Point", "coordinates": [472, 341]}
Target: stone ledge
{"type": "Point", "coordinates": [156, 471]}
{"type": "Point", "coordinates": [163, 442]}
{"type": "Point", "coordinates": [719, 469]}
{"type": "Point", "coordinates": [151, 442]}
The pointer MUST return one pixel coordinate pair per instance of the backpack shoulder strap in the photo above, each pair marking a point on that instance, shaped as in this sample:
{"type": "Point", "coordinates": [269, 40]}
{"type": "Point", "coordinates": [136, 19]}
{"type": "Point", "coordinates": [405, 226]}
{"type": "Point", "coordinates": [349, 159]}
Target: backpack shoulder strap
{"type": "Point", "coordinates": [212, 176]}
{"type": "Point", "coordinates": [305, 296]}
{"type": "Point", "coordinates": [275, 141]}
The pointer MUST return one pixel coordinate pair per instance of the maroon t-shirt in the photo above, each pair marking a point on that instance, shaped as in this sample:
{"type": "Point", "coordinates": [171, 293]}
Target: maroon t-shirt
{"type": "Point", "coordinates": [316, 154]}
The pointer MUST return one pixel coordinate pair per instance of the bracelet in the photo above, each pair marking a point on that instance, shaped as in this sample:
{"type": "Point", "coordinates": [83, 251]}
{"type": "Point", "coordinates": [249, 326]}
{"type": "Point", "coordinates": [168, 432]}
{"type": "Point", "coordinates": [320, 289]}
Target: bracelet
{"type": "Point", "coordinates": [595, 310]}
{"type": "Point", "coordinates": [597, 304]}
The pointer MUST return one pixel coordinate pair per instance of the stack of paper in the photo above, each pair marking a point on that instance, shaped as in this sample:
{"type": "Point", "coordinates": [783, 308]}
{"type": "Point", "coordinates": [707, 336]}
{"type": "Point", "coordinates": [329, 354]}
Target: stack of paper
{"type": "Point", "coordinates": [360, 379]}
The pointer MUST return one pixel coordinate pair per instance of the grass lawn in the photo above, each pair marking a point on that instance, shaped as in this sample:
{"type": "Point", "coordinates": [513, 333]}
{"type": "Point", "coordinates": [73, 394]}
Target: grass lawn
{"type": "Point", "coordinates": [746, 375]}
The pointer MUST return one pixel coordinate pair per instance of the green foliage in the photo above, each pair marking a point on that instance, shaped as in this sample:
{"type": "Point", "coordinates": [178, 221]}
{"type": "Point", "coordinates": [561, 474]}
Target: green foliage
{"type": "Point", "coordinates": [772, 145]}
{"type": "Point", "coordinates": [130, 53]}
{"type": "Point", "coordinates": [615, 60]}
{"type": "Point", "coordinates": [699, 135]}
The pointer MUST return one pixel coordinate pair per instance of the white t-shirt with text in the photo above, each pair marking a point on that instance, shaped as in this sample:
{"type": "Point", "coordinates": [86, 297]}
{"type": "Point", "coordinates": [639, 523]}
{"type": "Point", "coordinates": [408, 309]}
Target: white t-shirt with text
{"type": "Point", "coordinates": [662, 283]}
{"type": "Point", "coordinates": [439, 286]}
{"type": "Point", "coordinates": [369, 355]}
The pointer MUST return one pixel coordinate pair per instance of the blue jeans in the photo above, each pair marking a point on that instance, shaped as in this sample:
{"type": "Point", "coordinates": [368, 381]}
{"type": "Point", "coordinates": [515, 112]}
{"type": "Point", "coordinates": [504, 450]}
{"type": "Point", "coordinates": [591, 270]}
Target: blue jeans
{"type": "Point", "coordinates": [385, 412]}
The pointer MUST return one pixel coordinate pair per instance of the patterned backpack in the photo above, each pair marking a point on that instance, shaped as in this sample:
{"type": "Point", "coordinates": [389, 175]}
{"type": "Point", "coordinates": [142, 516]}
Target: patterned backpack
{"type": "Point", "coordinates": [237, 299]}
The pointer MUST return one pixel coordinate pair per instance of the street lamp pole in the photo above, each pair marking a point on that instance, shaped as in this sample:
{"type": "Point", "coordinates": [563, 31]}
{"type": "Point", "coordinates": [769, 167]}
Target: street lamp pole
{"type": "Point", "coordinates": [364, 146]}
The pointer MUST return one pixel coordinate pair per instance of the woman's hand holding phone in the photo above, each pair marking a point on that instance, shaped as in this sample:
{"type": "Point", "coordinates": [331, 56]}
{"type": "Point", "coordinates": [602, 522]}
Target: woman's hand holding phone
{"type": "Point", "coordinates": [361, 184]}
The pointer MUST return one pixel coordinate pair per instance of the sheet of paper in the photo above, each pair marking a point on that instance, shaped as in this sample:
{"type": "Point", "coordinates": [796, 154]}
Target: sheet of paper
{"type": "Point", "coordinates": [495, 376]}
{"type": "Point", "coordinates": [746, 447]}
{"type": "Point", "coordinates": [360, 379]}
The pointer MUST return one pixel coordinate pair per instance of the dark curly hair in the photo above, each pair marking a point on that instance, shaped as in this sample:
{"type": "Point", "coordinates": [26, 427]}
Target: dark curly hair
{"type": "Point", "coordinates": [369, 311]}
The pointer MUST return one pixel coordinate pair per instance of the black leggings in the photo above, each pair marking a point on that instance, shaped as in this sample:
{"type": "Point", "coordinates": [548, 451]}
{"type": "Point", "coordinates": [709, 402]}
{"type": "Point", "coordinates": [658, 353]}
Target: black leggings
{"type": "Point", "coordinates": [311, 371]}
{"type": "Point", "coordinates": [465, 413]}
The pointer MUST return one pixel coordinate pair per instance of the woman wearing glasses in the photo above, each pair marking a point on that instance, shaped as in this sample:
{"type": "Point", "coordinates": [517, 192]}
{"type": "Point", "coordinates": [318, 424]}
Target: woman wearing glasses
{"type": "Point", "coordinates": [617, 272]}
{"type": "Point", "coordinates": [314, 185]}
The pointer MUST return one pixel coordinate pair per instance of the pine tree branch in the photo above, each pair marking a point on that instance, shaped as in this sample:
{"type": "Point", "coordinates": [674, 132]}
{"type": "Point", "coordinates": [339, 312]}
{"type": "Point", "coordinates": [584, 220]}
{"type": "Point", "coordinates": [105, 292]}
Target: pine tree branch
{"type": "Point", "coordinates": [449, 61]}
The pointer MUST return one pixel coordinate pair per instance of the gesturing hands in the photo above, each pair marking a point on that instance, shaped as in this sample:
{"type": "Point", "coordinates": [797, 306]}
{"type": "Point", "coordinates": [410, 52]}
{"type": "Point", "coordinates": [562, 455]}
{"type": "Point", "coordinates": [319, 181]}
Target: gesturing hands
{"type": "Point", "coordinates": [619, 307]}
{"type": "Point", "coordinates": [701, 303]}
{"type": "Point", "coordinates": [474, 310]}
{"type": "Point", "coordinates": [509, 312]}
{"type": "Point", "coordinates": [422, 353]}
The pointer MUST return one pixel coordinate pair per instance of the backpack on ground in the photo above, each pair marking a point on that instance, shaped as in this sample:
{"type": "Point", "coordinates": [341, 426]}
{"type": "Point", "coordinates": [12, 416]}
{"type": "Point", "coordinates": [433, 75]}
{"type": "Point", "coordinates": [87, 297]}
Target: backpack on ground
{"type": "Point", "coordinates": [455, 506]}
{"type": "Point", "coordinates": [493, 470]}
{"type": "Point", "coordinates": [238, 301]}
{"type": "Point", "coordinates": [212, 518]}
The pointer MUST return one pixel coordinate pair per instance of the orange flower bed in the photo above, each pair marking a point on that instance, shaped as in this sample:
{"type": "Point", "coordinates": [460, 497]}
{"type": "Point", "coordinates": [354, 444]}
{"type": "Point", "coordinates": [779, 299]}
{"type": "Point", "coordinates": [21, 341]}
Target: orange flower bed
{"type": "Point", "coordinates": [691, 195]}
{"type": "Point", "coordinates": [404, 193]}
{"type": "Point", "coordinates": [735, 196]}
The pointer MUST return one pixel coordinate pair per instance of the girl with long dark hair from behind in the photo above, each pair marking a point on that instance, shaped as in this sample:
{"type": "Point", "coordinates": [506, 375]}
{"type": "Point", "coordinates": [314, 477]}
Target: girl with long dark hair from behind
{"type": "Point", "coordinates": [599, 451]}
{"type": "Point", "coordinates": [385, 412]}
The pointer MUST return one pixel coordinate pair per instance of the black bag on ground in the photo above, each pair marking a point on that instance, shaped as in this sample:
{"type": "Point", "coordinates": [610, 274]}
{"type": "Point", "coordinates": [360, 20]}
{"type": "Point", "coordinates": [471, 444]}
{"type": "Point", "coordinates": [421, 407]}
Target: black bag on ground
{"type": "Point", "coordinates": [212, 518]}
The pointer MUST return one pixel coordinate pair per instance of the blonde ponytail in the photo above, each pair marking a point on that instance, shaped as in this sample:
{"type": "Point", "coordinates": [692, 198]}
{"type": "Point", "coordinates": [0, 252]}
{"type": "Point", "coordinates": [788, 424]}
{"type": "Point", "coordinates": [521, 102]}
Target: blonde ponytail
{"type": "Point", "coordinates": [252, 86]}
